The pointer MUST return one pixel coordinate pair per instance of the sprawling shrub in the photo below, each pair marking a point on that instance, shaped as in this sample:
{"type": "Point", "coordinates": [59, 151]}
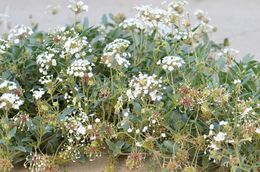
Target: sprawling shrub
{"type": "Point", "coordinates": [150, 86]}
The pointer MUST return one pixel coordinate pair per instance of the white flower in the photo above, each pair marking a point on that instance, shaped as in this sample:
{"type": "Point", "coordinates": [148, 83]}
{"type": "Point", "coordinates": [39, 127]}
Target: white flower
{"type": "Point", "coordinates": [220, 137]}
{"type": "Point", "coordinates": [37, 94]}
{"type": "Point", "coordinates": [10, 100]}
{"type": "Point", "coordinates": [257, 130]}
{"type": "Point", "coordinates": [132, 24]}
{"type": "Point", "coordinates": [97, 120]}
{"type": "Point", "coordinates": [129, 130]}
{"type": "Point", "coordinates": [163, 135]}
{"type": "Point", "coordinates": [126, 114]}
{"type": "Point", "coordinates": [90, 127]}
{"type": "Point", "coordinates": [237, 81]}
{"type": "Point", "coordinates": [178, 6]}
{"type": "Point", "coordinates": [145, 129]}
{"type": "Point", "coordinates": [138, 144]}
{"type": "Point", "coordinates": [171, 63]}
{"type": "Point", "coordinates": [213, 146]}
{"type": "Point", "coordinates": [115, 53]}
{"type": "Point", "coordinates": [246, 112]}
{"type": "Point", "coordinates": [76, 45]}
{"type": "Point", "coordinates": [211, 127]}
{"type": "Point", "coordinates": [8, 85]}
{"type": "Point", "coordinates": [4, 45]}
{"type": "Point", "coordinates": [229, 52]}
{"type": "Point", "coordinates": [46, 79]}
{"type": "Point", "coordinates": [78, 7]}
{"type": "Point", "coordinates": [149, 14]}
{"type": "Point", "coordinates": [202, 16]}
{"type": "Point", "coordinates": [19, 32]}
{"type": "Point", "coordinates": [81, 130]}
{"type": "Point", "coordinates": [45, 60]}
{"type": "Point", "coordinates": [118, 45]}
{"type": "Point", "coordinates": [145, 85]}
{"type": "Point", "coordinates": [223, 123]}
{"type": "Point", "coordinates": [80, 68]}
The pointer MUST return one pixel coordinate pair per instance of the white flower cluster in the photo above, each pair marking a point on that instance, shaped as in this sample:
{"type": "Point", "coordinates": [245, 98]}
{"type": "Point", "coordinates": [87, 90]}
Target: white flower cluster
{"type": "Point", "coordinates": [8, 86]}
{"type": "Point", "coordinates": [46, 79]}
{"type": "Point", "coordinates": [118, 45]}
{"type": "Point", "coordinates": [202, 16]}
{"type": "Point", "coordinates": [153, 18]}
{"type": "Point", "coordinates": [149, 14]}
{"type": "Point", "coordinates": [163, 20]}
{"type": "Point", "coordinates": [171, 63]}
{"type": "Point", "coordinates": [80, 68]}
{"type": "Point", "coordinates": [181, 35]}
{"type": "Point", "coordinates": [4, 45]}
{"type": "Point", "coordinates": [76, 45]}
{"type": "Point", "coordinates": [115, 53]}
{"type": "Point", "coordinates": [229, 52]}
{"type": "Point", "coordinates": [37, 162]}
{"type": "Point", "coordinates": [145, 85]}
{"type": "Point", "coordinates": [37, 94]}
{"type": "Point", "coordinates": [217, 138]}
{"type": "Point", "coordinates": [132, 24]}
{"type": "Point", "coordinates": [10, 100]}
{"type": "Point", "coordinates": [78, 7]}
{"type": "Point", "coordinates": [45, 60]}
{"type": "Point", "coordinates": [177, 5]}
{"type": "Point", "coordinates": [19, 33]}
{"type": "Point", "coordinates": [80, 127]}
{"type": "Point", "coordinates": [246, 112]}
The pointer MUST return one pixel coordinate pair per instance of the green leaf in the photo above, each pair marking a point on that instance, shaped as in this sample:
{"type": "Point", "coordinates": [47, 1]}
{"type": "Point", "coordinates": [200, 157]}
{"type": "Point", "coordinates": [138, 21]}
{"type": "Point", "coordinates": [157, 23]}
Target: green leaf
{"type": "Point", "coordinates": [137, 107]}
{"type": "Point", "coordinates": [170, 146]}
{"type": "Point", "coordinates": [115, 147]}
{"type": "Point", "coordinates": [12, 132]}
{"type": "Point", "coordinates": [20, 148]}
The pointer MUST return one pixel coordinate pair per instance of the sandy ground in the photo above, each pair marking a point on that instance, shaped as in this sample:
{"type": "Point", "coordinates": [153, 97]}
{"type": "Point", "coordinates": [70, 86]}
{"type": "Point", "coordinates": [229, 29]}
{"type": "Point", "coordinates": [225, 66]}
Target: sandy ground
{"type": "Point", "coordinates": [99, 165]}
{"type": "Point", "coordinates": [236, 19]}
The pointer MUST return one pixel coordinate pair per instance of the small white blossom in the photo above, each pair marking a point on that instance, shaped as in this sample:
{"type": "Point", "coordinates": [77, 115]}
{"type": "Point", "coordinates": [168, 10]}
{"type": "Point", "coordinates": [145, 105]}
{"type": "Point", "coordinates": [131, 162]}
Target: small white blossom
{"type": "Point", "coordinates": [78, 7]}
{"type": "Point", "coordinates": [132, 24]}
{"type": "Point", "coordinates": [163, 135]}
{"type": "Point", "coordinates": [18, 33]}
{"type": "Point", "coordinates": [97, 120]}
{"type": "Point", "coordinates": [45, 60]}
{"type": "Point", "coordinates": [171, 63]}
{"type": "Point", "coordinates": [37, 94]}
{"type": "Point", "coordinates": [145, 85]}
{"type": "Point", "coordinates": [246, 112]}
{"type": "Point", "coordinates": [145, 129]}
{"type": "Point", "coordinates": [78, 46]}
{"type": "Point", "coordinates": [129, 130]}
{"type": "Point", "coordinates": [4, 45]}
{"type": "Point", "coordinates": [81, 130]}
{"type": "Point", "coordinates": [10, 100]}
{"type": "Point", "coordinates": [221, 136]}
{"type": "Point", "coordinates": [115, 53]}
{"type": "Point", "coordinates": [8, 85]}
{"type": "Point", "coordinates": [223, 123]}
{"type": "Point", "coordinates": [237, 81]}
{"type": "Point", "coordinates": [257, 130]}
{"type": "Point", "coordinates": [80, 68]}
{"type": "Point", "coordinates": [138, 144]}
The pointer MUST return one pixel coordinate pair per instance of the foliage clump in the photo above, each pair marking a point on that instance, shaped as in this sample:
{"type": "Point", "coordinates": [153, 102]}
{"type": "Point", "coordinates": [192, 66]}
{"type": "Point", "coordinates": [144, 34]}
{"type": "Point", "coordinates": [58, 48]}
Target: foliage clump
{"type": "Point", "coordinates": [150, 86]}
